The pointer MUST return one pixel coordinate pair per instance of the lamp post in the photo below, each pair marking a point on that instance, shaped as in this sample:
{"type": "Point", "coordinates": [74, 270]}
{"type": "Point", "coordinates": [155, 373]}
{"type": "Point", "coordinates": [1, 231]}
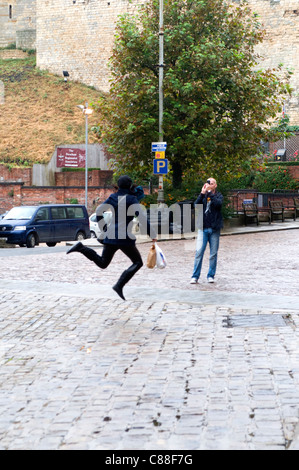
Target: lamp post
{"type": "Point", "coordinates": [161, 75]}
{"type": "Point", "coordinates": [86, 111]}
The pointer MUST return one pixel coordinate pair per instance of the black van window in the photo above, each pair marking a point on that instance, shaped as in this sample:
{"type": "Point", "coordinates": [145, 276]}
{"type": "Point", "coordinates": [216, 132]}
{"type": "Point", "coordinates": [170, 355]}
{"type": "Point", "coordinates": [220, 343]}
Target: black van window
{"type": "Point", "coordinates": [75, 213]}
{"type": "Point", "coordinates": [42, 214]}
{"type": "Point", "coordinates": [58, 213]}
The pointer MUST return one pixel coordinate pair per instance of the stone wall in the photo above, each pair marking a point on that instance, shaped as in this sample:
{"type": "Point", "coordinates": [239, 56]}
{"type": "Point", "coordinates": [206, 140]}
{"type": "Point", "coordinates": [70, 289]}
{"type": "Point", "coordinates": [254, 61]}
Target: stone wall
{"type": "Point", "coordinates": [77, 36]}
{"type": "Point", "coordinates": [281, 21]}
{"type": "Point", "coordinates": [8, 22]}
{"type": "Point", "coordinates": [18, 23]}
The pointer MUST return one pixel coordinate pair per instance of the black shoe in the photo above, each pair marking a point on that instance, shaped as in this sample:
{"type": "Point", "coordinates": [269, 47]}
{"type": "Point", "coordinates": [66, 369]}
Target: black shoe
{"type": "Point", "coordinates": [76, 247]}
{"type": "Point", "coordinates": [119, 291]}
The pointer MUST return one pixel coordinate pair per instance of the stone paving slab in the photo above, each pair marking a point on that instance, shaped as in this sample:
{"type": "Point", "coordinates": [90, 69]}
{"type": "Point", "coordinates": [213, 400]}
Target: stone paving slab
{"type": "Point", "coordinates": [89, 373]}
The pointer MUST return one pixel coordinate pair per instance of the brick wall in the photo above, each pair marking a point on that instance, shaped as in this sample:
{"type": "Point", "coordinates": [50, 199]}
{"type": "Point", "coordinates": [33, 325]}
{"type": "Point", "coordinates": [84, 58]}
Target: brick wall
{"type": "Point", "coordinates": [68, 178]}
{"type": "Point", "coordinates": [294, 172]}
{"type": "Point", "coordinates": [16, 194]}
{"type": "Point", "coordinates": [16, 174]}
{"type": "Point", "coordinates": [77, 178]}
{"type": "Point", "coordinates": [16, 189]}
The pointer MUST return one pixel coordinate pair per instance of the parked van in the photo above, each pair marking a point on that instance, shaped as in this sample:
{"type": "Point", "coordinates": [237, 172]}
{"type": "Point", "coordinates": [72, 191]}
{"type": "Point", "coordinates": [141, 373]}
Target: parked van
{"type": "Point", "coordinates": [50, 224]}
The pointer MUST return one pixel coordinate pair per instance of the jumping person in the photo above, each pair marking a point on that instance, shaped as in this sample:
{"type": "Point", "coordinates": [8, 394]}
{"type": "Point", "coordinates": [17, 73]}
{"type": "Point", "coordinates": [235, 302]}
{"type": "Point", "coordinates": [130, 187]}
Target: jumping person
{"type": "Point", "coordinates": [124, 206]}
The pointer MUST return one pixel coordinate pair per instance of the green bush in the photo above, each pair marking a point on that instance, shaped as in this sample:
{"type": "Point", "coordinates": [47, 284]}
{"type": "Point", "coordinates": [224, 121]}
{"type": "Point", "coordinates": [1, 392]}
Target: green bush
{"type": "Point", "coordinates": [270, 178]}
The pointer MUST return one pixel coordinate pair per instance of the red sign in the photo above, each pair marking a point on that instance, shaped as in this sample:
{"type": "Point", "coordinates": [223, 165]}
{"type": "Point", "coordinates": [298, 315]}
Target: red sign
{"type": "Point", "coordinates": [69, 157]}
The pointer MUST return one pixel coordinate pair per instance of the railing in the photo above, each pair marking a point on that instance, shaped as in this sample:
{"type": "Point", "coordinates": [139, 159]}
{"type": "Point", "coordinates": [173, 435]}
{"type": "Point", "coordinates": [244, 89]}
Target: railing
{"type": "Point", "coordinates": [237, 196]}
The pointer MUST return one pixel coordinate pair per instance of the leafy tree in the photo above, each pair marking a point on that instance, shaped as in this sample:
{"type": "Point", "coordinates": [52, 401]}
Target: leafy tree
{"type": "Point", "coordinates": [217, 102]}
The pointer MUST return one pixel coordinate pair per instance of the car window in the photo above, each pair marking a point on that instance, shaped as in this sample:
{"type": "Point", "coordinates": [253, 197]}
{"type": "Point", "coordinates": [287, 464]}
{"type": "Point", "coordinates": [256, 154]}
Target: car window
{"type": "Point", "coordinates": [58, 213]}
{"type": "Point", "coordinates": [75, 213]}
{"type": "Point", "coordinates": [20, 213]}
{"type": "Point", "coordinates": [42, 214]}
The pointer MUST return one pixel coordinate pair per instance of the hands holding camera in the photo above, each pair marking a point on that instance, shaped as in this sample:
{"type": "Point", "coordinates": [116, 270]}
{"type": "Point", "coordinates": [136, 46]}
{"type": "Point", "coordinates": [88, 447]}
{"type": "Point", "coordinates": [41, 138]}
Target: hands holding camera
{"type": "Point", "coordinates": [209, 186]}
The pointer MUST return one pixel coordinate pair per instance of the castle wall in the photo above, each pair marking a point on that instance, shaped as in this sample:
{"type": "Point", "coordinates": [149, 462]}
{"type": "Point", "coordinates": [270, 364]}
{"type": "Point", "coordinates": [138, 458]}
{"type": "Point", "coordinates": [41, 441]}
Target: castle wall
{"type": "Point", "coordinates": [77, 36]}
{"type": "Point", "coordinates": [281, 46]}
{"type": "Point", "coordinates": [8, 22]}
{"type": "Point", "coordinates": [18, 23]}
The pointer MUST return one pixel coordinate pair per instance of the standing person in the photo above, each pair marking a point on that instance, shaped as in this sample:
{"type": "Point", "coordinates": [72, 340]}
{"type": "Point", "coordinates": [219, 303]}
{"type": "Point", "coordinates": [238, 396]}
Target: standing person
{"type": "Point", "coordinates": [124, 206]}
{"type": "Point", "coordinates": [212, 201]}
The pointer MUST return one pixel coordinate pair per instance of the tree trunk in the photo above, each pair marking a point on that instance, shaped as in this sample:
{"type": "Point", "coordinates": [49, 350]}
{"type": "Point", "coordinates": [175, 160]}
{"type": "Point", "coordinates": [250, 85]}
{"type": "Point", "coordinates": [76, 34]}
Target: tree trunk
{"type": "Point", "coordinates": [177, 176]}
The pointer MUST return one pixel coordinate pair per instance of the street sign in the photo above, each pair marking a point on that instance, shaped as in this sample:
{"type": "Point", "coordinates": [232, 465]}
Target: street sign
{"type": "Point", "coordinates": [159, 154]}
{"type": "Point", "coordinates": [159, 146]}
{"type": "Point", "coordinates": [160, 166]}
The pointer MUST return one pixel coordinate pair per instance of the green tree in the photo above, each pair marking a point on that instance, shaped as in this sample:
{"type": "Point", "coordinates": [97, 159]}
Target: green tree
{"type": "Point", "coordinates": [216, 101]}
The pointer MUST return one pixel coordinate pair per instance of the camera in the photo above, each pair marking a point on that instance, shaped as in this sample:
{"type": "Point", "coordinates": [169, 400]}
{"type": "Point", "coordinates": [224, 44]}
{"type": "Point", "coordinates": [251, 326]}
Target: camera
{"type": "Point", "coordinates": [208, 181]}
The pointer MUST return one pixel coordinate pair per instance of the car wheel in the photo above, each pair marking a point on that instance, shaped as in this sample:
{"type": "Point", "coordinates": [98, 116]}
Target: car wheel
{"type": "Point", "coordinates": [51, 244]}
{"type": "Point", "coordinates": [80, 236]}
{"type": "Point", "coordinates": [31, 241]}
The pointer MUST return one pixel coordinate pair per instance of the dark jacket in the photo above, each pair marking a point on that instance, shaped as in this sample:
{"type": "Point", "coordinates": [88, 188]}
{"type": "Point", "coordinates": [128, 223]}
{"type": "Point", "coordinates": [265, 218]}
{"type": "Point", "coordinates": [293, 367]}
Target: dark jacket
{"type": "Point", "coordinates": [212, 218]}
{"type": "Point", "coordinates": [124, 207]}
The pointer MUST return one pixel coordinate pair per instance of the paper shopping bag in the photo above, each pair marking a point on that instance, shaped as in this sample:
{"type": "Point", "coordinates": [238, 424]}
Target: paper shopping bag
{"type": "Point", "coordinates": [151, 257]}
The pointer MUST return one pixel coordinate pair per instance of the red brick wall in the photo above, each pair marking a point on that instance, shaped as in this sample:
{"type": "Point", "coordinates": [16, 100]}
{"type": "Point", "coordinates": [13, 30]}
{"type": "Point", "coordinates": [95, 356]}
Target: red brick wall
{"type": "Point", "coordinates": [77, 178]}
{"type": "Point", "coordinates": [10, 195]}
{"type": "Point", "coordinates": [16, 194]}
{"type": "Point", "coordinates": [16, 174]}
{"type": "Point", "coordinates": [294, 172]}
{"type": "Point", "coordinates": [69, 178]}
{"type": "Point", "coordinates": [16, 189]}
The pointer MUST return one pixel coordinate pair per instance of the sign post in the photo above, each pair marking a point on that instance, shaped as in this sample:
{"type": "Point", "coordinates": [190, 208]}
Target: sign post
{"type": "Point", "coordinates": [86, 111]}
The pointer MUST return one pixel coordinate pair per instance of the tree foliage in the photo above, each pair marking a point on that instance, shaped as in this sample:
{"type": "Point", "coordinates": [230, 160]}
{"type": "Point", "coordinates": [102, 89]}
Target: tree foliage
{"type": "Point", "coordinates": [217, 102]}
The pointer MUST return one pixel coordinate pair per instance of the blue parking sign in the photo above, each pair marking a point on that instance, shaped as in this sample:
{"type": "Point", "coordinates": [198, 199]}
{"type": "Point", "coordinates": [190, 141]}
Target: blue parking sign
{"type": "Point", "coordinates": [160, 166]}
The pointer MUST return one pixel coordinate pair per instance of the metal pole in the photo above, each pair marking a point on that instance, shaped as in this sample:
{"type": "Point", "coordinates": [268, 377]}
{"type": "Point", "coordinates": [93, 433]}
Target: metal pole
{"type": "Point", "coordinates": [161, 72]}
{"type": "Point", "coordinates": [86, 155]}
{"type": "Point", "coordinates": [284, 139]}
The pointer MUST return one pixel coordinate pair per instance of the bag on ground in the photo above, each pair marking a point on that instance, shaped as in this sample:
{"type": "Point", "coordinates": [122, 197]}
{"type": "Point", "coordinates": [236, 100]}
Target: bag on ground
{"type": "Point", "coordinates": [160, 258]}
{"type": "Point", "coordinates": [151, 257]}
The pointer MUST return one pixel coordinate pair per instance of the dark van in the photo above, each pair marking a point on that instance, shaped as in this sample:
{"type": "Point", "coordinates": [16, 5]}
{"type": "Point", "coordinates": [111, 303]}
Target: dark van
{"type": "Point", "coordinates": [50, 224]}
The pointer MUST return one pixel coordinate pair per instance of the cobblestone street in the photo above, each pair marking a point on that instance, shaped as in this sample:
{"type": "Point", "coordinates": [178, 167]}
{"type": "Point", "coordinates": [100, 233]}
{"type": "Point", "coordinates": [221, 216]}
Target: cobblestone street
{"type": "Point", "coordinates": [176, 366]}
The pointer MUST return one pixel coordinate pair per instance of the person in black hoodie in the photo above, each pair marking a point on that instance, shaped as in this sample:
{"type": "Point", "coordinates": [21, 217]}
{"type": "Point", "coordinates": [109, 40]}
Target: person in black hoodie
{"type": "Point", "coordinates": [212, 201]}
{"type": "Point", "coordinates": [124, 206]}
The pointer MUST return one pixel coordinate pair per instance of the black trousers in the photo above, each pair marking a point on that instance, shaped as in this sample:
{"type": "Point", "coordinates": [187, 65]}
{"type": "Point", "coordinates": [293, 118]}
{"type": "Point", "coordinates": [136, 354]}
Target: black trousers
{"type": "Point", "coordinates": [107, 255]}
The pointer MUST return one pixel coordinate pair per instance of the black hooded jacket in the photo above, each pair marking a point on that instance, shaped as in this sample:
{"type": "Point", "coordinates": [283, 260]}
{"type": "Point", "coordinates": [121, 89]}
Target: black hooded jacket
{"type": "Point", "coordinates": [212, 210]}
{"type": "Point", "coordinates": [124, 207]}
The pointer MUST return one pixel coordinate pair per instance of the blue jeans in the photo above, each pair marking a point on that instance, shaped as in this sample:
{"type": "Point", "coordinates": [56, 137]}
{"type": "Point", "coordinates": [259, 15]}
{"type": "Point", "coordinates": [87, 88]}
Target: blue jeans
{"type": "Point", "coordinates": [205, 236]}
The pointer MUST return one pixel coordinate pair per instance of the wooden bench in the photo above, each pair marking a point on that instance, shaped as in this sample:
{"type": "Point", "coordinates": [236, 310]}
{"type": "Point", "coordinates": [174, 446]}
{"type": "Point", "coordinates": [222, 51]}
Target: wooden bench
{"type": "Point", "coordinates": [253, 212]}
{"type": "Point", "coordinates": [278, 208]}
